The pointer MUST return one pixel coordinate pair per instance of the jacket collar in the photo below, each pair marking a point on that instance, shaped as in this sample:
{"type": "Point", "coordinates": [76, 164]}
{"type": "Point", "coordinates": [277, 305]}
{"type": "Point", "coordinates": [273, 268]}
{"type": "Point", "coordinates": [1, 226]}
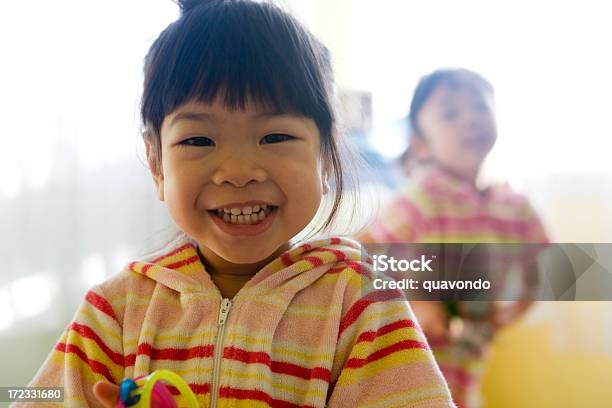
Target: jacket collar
{"type": "Point", "coordinates": [442, 184]}
{"type": "Point", "coordinates": [179, 267]}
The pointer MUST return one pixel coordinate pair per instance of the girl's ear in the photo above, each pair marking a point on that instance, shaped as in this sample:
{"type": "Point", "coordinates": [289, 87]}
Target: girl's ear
{"type": "Point", "coordinates": [155, 168]}
{"type": "Point", "coordinates": [325, 184]}
{"type": "Point", "coordinates": [325, 178]}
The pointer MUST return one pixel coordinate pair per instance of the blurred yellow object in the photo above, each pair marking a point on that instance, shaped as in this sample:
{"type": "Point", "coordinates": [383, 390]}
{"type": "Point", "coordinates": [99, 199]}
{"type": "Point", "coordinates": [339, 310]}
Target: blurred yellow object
{"type": "Point", "coordinates": [554, 361]}
{"type": "Point", "coordinates": [145, 388]}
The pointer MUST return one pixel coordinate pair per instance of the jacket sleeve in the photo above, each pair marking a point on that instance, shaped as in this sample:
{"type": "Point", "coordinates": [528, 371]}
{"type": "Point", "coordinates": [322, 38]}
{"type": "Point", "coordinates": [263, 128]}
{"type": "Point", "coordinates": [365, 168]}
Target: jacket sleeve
{"type": "Point", "coordinates": [90, 349]}
{"type": "Point", "coordinates": [383, 359]}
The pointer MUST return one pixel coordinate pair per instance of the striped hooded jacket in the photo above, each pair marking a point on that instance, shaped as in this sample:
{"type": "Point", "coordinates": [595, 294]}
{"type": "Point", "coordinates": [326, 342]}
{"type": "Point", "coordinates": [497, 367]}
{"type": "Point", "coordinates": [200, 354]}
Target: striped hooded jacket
{"type": "Point", "coordinates": [301, 332]}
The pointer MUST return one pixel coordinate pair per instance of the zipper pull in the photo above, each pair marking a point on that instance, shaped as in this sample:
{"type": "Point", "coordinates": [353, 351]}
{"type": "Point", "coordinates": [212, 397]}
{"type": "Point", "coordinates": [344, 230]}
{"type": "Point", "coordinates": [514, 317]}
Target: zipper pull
{"type": "Point", "coordinates": [224, 311]}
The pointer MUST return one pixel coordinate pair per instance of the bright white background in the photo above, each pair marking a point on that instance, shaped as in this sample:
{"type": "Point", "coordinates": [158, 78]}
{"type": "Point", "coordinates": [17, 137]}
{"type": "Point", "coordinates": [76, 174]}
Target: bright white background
{"type": "Point", "coordinates": [547, 61]}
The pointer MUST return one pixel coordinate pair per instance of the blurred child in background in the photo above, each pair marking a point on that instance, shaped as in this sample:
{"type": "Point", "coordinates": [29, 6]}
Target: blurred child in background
{"type": "Point", "coordinates": [452, 118]}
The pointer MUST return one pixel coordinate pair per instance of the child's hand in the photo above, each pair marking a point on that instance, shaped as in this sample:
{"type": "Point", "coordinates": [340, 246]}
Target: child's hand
{"type": "Point", "coordinates": [107, 393]}
{"type": "Point", "coordinates": [506, 313]}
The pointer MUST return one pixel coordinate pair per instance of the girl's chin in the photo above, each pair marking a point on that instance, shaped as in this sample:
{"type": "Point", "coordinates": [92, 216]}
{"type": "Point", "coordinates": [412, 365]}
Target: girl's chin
{"type": "Point", "coordinates": [251, 254]}
{"type": "Point", "coordinates": [242, 259]}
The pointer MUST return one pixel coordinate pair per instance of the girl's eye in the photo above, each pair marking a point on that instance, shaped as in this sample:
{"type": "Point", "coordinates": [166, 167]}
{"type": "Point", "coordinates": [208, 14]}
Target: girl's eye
{"type": "Point", "coordinates": [481, 107]}
{"type": "Point", "coordinates": [449, 115]}
{"type": "Point", "coordinates": [276, 138]}
{"type": "Point", "coordinates": [198, 141]}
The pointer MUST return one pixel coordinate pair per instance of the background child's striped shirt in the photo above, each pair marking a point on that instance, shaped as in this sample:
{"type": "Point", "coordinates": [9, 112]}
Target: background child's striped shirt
{"type": "Point", "coordinates": [436, 207]}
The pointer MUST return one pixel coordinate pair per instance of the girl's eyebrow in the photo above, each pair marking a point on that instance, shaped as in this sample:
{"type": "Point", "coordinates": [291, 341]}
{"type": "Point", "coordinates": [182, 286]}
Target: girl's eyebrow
{"type": "Point", "coordinates": [201, 116]}
{"type": "Point", "coordinates": [192, 116]}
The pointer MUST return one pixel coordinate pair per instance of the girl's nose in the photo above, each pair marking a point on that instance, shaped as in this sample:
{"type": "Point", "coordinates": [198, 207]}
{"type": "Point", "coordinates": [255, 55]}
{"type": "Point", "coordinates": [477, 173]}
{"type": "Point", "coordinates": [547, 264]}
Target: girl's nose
{"type": "Point", "coordinates": [239, 170]}
{"type": "Point", "coordinates": [474, 120]}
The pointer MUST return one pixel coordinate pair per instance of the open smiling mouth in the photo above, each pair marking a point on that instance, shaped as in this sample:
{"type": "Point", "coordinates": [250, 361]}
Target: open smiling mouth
{"type": "Point", "coordinates": [248, 215]}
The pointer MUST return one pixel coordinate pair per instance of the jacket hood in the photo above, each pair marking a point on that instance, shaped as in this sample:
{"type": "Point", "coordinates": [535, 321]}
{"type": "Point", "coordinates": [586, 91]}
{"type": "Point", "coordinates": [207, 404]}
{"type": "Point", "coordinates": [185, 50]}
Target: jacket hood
{"type": "Point", "coordinates": [179, 267]}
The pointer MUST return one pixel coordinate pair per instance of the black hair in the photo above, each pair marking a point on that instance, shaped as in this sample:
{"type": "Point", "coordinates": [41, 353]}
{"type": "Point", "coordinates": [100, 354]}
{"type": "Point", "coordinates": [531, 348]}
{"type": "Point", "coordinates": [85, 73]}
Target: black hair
{"type": "Point", "coordinates": [451, 77]}
{"type": "Point", "coordinates": [243, 51]}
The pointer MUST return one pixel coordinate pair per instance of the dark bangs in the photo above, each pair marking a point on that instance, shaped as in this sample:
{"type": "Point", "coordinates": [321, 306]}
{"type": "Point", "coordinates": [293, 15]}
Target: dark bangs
{"type": "Point", "coordinates": [244, 52]}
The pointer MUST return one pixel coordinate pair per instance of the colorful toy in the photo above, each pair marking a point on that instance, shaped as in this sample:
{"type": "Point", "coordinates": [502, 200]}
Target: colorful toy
{"type": "Point", "coordinates": [151, 392]}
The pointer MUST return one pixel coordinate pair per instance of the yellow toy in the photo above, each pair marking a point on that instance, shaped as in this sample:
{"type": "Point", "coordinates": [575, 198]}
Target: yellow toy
{"type": "Point", "coordinates": [151, 392]}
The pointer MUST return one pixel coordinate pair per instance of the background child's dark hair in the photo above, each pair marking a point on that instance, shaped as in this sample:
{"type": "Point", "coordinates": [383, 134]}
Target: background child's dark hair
{"type": "Point", "coordinates": [243, 51]}
{"type": "Point", "coordinates": [451, 77]}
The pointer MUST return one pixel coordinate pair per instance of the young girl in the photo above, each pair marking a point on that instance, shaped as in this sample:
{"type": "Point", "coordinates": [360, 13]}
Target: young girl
{"type": "Point", "coordinates": [241, 142]}
{"type": "Point", "coordinates": [453, 124]}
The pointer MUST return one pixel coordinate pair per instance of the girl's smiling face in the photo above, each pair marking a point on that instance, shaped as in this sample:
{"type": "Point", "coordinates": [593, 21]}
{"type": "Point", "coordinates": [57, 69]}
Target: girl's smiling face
{"type": "Point", "coordinates": [219, 165]}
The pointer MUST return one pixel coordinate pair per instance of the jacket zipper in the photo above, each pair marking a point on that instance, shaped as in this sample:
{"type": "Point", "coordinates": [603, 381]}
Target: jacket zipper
{"type": "Point", "coordinates": [226, 304]}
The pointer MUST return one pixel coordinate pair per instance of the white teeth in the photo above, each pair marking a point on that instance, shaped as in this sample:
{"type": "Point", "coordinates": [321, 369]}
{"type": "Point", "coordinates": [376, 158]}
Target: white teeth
{"type": "Point", "coordinates": [242, 211]}
{"type": "Point", "coordinates": [245, 215]}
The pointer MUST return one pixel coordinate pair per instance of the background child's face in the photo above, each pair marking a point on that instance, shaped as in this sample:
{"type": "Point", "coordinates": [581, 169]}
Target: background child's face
{"type": "Point", "coordinates": [458, 128]}
{"type": "Point", "coordinates": [215, 160]}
